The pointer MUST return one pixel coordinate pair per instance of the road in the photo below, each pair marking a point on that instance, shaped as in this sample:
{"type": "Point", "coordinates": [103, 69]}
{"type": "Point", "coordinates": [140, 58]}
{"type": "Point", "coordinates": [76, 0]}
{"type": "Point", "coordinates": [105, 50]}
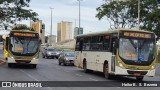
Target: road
{"type": "Point", "coordinates": [49, 70]}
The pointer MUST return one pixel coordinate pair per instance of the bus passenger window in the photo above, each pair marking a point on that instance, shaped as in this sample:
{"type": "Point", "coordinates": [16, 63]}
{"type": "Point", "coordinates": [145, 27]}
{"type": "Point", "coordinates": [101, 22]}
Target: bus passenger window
{"type": "Point", "coordinates": [106, 42]}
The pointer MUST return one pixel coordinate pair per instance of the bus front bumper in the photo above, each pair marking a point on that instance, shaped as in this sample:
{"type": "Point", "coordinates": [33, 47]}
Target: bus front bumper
{"type": "Point", "coordinates": [12, 60]}
{"type": "Point", "coordinates": [129, 72]}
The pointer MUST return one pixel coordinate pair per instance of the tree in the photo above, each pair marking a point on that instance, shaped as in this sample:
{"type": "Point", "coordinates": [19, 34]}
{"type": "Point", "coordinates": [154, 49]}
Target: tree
{"type": "Point", "coordinates": [15, 10]}
{"type": "Point", "coordinates": [22, 27]}
{"type": "Point", "coordinates": [116, 13]}
{"type": "Point", "coordinates": [125, 13]}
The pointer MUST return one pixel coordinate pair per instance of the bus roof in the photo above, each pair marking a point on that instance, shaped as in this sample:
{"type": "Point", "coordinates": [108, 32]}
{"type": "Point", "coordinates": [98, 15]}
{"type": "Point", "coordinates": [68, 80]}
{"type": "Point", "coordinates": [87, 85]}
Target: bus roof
{"type": "Point", "coordinates": [23, 30]}
{"type": "Point", "coordinates": [112, 31]}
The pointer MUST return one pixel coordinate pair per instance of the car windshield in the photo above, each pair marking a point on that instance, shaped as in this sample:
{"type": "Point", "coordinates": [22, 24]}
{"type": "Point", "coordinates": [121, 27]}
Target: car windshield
{"type": "Point", "coordinates": [23, 45]}
{"type": "Point", "coordinates": [51, 49]}
{"type": "Point", "coordinates": [69, 54]}
{"type": "Point", "coordinates": [135, 49]}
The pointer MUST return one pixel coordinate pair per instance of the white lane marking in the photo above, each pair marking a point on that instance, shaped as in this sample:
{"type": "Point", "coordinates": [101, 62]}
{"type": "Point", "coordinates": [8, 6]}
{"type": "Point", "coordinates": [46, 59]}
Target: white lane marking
{"type": "Point", "coordinates": [93, 79]}
{"type": "Point", "coordinates": [58, 68]}
{"type": "Point", "coordinates": [33, 78]}
{"type": "Point", "coordinates": [29, 75]}
{"type": "Point", "coordinates": [78, 75]}
{"type": "Point", "coordinates": [67, 71]}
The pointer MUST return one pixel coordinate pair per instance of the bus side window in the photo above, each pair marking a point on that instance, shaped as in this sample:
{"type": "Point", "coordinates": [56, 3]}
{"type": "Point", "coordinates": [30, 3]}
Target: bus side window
{"type": "Point", "coordinates": [80, 45]}
{"type": "Point", "coordinates": [77, 44]}
{"type": "Point", "coordinates": [114, 45]}
{"type": "Point", "coordinates": [106, 42]}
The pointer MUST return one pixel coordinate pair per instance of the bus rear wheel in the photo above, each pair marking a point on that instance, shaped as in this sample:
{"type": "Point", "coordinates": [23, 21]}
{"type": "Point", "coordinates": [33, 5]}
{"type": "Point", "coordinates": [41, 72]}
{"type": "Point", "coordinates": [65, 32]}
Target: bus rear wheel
{"type": "Point", "coordinates": [85, 67]}
{"type": "Point", "coordinates": [140, 78]}
{"type": "Point", "coordinates": [106, 71]}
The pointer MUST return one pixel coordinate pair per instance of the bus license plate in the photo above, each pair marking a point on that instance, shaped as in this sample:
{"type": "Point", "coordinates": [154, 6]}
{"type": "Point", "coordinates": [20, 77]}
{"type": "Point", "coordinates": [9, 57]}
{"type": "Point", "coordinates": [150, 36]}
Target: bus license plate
{"type": "Point", "coordinates": [137, 74]}
{"type": "Point", "coordinates": [23, 62]}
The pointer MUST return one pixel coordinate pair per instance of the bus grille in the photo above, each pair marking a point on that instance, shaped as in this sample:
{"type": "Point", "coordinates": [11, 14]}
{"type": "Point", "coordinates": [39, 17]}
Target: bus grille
{"type": "Point", "coordinates": [20, 61]}
{"type": "Point", "coordinates": [140, 72]}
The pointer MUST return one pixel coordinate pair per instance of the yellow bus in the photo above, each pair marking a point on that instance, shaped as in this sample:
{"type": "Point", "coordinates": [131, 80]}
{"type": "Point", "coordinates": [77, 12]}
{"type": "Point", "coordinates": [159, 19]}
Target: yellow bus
{"type": "Point", "coordinates": [118, 52]}
{"type": "Point", "coordinates": [22, 47]}
{"type": "Point", "coordinates": [5, 50]}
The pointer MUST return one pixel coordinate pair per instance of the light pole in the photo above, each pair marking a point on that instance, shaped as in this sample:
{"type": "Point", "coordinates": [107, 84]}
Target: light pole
{"type": "Point", "coordinates": [50, 41]}
{"type": "Point", "coordinates": [79, 15]}
{"type": "Point", "coordinates": [138, 14]}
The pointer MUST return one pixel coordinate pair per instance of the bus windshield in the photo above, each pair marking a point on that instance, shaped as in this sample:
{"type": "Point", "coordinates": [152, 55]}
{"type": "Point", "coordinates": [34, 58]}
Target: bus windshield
{"type": "Point", "coordinates": [24, 45]}
{"type": "Point", "coordinates": [136, 49]}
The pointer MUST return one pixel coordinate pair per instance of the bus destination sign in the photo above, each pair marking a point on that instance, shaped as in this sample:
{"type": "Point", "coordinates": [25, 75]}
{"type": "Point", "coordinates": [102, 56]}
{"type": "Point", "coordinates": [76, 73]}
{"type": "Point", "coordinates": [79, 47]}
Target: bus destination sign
{"type": "Point", "coordinates": [24, 34]}
{"type": "Point", "coordinates": [137, 35]}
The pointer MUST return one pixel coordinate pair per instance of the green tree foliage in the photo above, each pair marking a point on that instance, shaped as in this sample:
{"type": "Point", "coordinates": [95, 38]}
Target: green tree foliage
{"type": "Point", "coordinates": [124, 14]}
{"type": "Point", "coordinates": [22, 27]}
{"type": "Point", "coordinates": [15, 10]}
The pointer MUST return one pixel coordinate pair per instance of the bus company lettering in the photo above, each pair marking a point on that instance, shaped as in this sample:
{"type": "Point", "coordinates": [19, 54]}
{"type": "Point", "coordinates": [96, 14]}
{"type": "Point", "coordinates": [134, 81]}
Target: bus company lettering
{"type": "Point", "coordinates": [24, 34]}
{"type": "Point", "coordinates": [139, 35]}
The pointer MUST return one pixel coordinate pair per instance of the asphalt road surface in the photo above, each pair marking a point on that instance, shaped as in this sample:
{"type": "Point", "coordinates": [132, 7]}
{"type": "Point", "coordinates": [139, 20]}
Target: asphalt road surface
{"type": "Point", "coordinates": [49, 70]}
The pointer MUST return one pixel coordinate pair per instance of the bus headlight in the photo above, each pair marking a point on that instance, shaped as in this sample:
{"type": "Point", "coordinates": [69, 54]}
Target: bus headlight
{"type": "Point", "coordinates": [11, 57]}
{"type": "Point", "coordinates": [120, 64]}
{"type": "Point", "coordinates": [153, 67]}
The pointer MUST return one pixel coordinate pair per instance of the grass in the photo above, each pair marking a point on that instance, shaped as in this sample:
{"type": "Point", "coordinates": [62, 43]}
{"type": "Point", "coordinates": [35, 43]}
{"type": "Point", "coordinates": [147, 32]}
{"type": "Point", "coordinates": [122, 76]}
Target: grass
{"type": "Point", "coordinates": [158, 57]}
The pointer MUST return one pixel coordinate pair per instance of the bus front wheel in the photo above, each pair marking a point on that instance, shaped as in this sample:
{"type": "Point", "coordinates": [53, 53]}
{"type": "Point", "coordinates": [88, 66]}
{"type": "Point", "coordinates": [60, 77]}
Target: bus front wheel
{"type": "Point", "coordinates": [34, 66]}
{"type": "Point", "coordinates": [10, 65]}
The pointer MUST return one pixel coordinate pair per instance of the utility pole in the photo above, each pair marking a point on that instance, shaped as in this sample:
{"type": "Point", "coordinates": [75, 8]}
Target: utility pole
{"type": "Point", "coordinates": [50, 41]}
{"type": "Point", "coordinates": [138, 14]}
{"type": "Point", "coordinates": [79, 16]}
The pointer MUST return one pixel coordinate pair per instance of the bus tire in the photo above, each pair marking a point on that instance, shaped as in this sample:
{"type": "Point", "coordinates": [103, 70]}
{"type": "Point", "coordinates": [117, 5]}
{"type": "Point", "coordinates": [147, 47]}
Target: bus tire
{"type": "Point", "coordinates": [106, 71]}
{"type": "Point", "coordinates": [9, 65]}
{"type": "Point", "coordinates": [85, 67]}
{"type": "Point", "coordinates": [139, 78]}
{"type": "Point", "coordinates": [34, 66]}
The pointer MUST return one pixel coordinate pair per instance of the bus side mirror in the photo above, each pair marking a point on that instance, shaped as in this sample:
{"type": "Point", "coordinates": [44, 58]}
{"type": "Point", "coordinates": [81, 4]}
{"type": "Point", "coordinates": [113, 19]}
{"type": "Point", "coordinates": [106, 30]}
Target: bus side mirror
{"type": "Point", "coordinates": [117, 44]}
{"type": "Point", "coordinates": [40, 41]}
{"type": "Point", "coordinates": [7, 40]}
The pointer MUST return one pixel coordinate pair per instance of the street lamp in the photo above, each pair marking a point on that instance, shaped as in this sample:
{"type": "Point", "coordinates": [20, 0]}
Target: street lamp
{"type": "Point", "coordinates": [138, 14]}
{"type": "Point", "coordinates": [79, 15]}
{"type": "Point", "coordinates": [51, 28]}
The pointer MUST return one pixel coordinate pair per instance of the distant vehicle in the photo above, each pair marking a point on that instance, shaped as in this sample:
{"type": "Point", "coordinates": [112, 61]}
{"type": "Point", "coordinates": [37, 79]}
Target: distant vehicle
{"type": "Point", "coordinates": [51, 52]}
{"type": "Point", "coordinates": [22, 47]}
{"type": "Point", "coordinates": [67, 57]}
{"type": "Point", "coordinates": [1, 45]}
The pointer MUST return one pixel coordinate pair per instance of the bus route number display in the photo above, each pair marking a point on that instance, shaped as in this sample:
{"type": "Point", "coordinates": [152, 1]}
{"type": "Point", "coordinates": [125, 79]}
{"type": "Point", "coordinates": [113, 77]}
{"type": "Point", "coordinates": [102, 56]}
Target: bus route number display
{"type": "Point", "coordinates": [24, 34]}
{"type": "Point", "coordinates": [138, 35]}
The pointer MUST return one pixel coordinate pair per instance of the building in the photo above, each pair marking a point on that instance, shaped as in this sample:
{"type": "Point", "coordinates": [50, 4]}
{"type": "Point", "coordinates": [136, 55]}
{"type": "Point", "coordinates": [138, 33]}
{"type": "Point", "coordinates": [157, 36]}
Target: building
{"type": "Point", "coordinates": [64, 31]}
{"type": "Point", "coordinates": [77, 31]}
{"type": "Point", "coordinates": [40, 28]}
{"type": "Point", "coordinates": [52, 38]}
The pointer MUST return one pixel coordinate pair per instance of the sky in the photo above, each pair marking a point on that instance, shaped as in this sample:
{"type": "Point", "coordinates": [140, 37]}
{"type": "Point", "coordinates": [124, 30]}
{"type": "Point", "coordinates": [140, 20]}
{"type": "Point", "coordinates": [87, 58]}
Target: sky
{"type": "Point", "coordinates": [68, 10]}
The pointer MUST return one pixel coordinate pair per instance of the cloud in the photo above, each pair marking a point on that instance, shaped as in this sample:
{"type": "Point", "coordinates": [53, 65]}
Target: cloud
{"type": "Point", "coordinates": [67, 10]}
